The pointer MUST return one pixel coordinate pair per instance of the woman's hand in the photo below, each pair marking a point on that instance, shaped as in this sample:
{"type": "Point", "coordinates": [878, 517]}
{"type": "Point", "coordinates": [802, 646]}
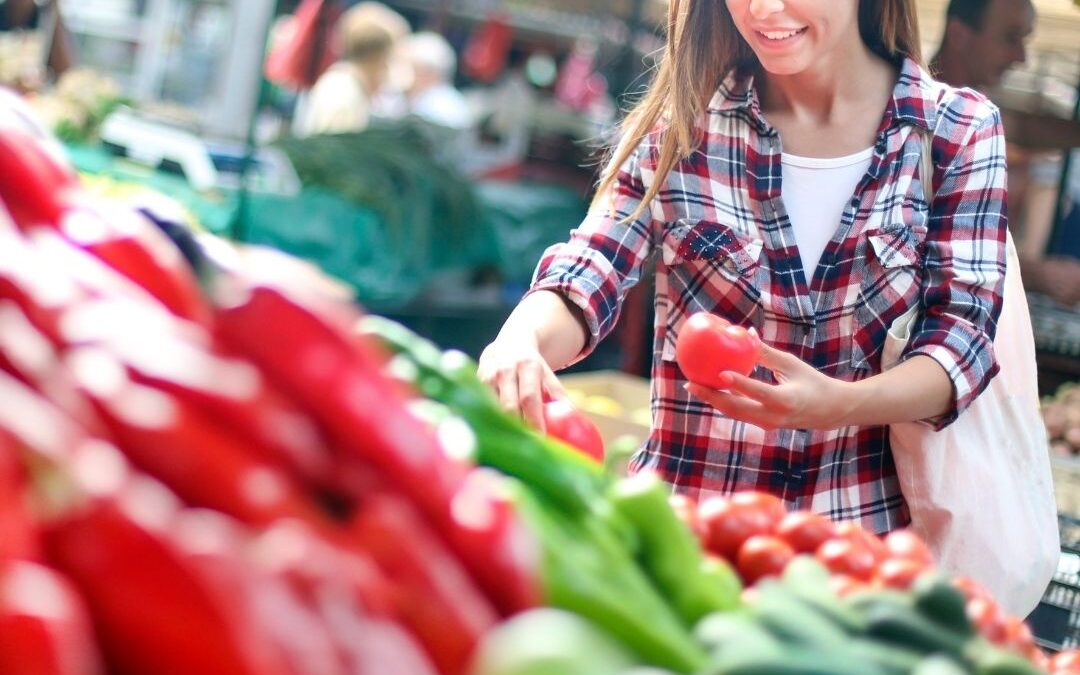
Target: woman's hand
{"type": "Point", "coordinates": [803, 398]}
{"type": "Point", "coordinates": [514, 368]}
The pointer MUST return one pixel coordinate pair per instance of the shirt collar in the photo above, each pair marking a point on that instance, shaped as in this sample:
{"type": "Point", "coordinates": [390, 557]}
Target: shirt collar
{"type": "Point", "coordinates": [914, 98]}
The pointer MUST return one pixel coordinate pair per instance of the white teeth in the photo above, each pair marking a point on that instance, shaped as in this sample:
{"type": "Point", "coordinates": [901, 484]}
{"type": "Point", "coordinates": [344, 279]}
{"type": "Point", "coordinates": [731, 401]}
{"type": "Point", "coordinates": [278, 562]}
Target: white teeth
{"type": "Point", "coordinates": [780, 36]}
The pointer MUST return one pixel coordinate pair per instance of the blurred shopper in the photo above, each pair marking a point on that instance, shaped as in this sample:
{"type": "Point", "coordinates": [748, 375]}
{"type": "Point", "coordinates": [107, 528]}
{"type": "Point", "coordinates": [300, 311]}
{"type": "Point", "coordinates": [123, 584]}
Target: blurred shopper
{"type": "Point", "coordinates": [432, 95]}
{"type": "Point", "coordinates": [984, 39]}
{"type": "Point", "coordinates": [341, 100]}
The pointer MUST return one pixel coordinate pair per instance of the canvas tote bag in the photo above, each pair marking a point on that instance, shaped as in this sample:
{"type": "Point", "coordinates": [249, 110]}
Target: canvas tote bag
{"type": "Point", "coordinates": [980, 491]}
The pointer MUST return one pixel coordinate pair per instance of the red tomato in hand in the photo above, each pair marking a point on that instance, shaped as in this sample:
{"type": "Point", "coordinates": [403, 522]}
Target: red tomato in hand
{"type": "Point", "coordinates": [907, 545]}
{"type": "Point", "coordinates": [726, 525]}
{"type": "Point", "coordinates": [763, 556]}
{"type": "Point", "coordinates": [571, 426]}
{"type": "Point", "coordinates": [805, 531]}
{"type": "Point", "coordinates": [848, 556]}
{"type": "Point", "coordinates": [709, 345]}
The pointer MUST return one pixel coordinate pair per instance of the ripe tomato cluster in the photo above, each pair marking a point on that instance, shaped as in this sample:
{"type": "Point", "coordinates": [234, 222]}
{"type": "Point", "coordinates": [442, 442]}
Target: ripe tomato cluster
{"type": "Point", "coordinates": [755, 533]}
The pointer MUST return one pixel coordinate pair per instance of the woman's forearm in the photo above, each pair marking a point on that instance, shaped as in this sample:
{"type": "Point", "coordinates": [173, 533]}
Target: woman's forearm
{"type": "Point", "coordinates": [554, 326]}
{"type": "Point", "coordinates": [915, 389]}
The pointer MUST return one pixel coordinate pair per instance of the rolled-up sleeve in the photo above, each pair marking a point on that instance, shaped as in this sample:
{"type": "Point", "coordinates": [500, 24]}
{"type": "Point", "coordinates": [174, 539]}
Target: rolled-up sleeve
{"type": "Point", "coordinates": [605, 255]}
{"type": "Point", "coordinates": [964, 261]}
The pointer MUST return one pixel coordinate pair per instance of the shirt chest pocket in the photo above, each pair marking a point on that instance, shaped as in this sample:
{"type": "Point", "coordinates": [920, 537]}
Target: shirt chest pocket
{"type": "Point", "coordinates": [713, 268]}
{"type": "Point", "coordinates": [890, 285]}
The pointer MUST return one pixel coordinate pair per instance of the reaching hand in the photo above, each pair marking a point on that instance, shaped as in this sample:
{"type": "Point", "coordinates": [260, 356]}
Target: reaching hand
{"type": "Point", "coordinates": [520, 377]}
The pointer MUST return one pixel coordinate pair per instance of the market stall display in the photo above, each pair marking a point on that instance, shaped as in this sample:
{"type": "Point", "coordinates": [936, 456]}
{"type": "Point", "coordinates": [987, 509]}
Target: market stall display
{"type": "Point", "coordinates": [236, 471]}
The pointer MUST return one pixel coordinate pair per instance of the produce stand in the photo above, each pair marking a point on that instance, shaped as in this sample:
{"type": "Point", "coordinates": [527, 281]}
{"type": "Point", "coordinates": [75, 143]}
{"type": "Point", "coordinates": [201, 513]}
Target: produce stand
{"type": "Point", "coordinates": [218, 464]}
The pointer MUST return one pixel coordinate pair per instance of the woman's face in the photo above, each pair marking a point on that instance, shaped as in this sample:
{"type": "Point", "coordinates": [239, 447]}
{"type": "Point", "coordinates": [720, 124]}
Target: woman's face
{"type": "Point", "coordinates": [791, 36]}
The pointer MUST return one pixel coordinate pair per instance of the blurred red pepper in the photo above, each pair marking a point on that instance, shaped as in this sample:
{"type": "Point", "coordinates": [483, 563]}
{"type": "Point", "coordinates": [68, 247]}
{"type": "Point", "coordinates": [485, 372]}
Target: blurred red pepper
{"type": "Point", "coordinates": [29, 356]}
{"type": "Point", "coordinates": [349, 595]}
{"type": "Point", "coordinates": [162, 600]}
{"type": "Point", "coordinates": [439, 601]}
{"type": "Point", "coordinates": [181, 359]}
{"type": "Point", "coordinates": [197, 458]}
{"type": "Point", "coordinates": [40, 193]}
{"type": "Point", "coordinates": [137, 249]}
{"type": "Point", "coordinates": [36, 187]}
{"type": "Point", "coordinates": [18, 531]}
{"type": "Point", "coordinates": [310, 356]}
{"type": "Point", "coordinates": [44, 627]}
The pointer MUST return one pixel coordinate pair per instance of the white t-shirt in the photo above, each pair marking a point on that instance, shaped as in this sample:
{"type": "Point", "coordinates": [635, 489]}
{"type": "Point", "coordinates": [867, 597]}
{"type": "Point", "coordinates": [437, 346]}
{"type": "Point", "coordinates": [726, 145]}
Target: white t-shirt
{"type": "Point", "coordinates": [815, 193]}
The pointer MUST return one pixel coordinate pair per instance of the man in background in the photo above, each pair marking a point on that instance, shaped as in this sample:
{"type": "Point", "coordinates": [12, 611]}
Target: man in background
{"type": "Point", "coordinates": [983, 39]}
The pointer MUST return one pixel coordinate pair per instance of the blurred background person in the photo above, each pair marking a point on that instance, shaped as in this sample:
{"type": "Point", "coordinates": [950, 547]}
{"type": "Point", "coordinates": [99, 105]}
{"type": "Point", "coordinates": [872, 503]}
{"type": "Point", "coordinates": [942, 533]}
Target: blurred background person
{"type": "Point", "coordinates": [342, 99]}
{"type": "Point", "coordinates": [983, 39]}
{"type": "Point", "coordinates": [432, 95]}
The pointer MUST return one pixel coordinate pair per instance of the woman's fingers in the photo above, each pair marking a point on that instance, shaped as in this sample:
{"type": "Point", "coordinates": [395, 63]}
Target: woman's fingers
{"type": "Point", "coordinates": [735, 406]}
{"type": "Point", "coordinates": [530, 393]}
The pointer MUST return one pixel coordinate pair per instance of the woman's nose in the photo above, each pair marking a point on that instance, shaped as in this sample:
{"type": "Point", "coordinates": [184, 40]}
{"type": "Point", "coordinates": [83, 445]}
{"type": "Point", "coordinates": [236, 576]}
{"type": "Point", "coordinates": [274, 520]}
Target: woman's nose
{"type": "Point", "coordinates": [761, 9]}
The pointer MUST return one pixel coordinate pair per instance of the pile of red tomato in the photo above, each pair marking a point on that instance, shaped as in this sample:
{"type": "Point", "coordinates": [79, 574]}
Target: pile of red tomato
{"type": "Point", "coordinates": [755, 533]}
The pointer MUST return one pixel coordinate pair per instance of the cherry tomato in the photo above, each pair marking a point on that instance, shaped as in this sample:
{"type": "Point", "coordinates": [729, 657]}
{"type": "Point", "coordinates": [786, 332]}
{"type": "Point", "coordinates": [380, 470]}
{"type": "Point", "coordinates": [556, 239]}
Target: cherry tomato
{"type": "Point", "coordinates": [988, 619]}
{"type": "Point", "coordinates": [726, 525]}
{"type": "Point", "coordinates": [899, 573]}
{"type": "Point", "coordinates": [907, 545]}
{"type": "Point", "coordinates": [709, 345]}
{"type": "Point", "coordinates": [1066, 662]}
{"type": "Point", "coordinates": [805, 531]}
{"type": "Point", "coordinates": [851, 530]}
{"type": "Point", "coordinates": [772, 505]}
{"type": "Point", "coordinates": [1018, 635]}
{"type": "Point", "coordinates": [842, 584]}
{"type": "Point", "coordinates": [763, 556]}
{"type": "Point", "coordinates": [970, 588]}
{"type": "Point", "coordinates": [848, 556]}
{"type": "Point", "coordinates": [573, 427]}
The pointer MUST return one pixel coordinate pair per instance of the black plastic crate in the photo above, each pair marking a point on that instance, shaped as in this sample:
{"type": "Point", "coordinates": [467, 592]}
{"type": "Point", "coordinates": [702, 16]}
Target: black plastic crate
{"type": "Point", "coordinates": [1056, 621]}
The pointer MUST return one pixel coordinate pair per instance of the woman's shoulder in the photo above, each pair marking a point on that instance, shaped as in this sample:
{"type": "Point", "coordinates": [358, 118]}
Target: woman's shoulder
{"type": "Point", "coordinates": [957, 107]}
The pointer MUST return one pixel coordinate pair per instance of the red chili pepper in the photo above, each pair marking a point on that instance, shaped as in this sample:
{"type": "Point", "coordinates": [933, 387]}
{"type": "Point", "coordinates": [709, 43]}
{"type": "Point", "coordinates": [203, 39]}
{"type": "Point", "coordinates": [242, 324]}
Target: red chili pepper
{"type": "Point", "coordinates": [44, 628]}
{"type": "Point", "coordinates": [180, 358]}
{"type": "Point", "coordinates": [38, 193]}
{"type": "Point", "coordinates": [18, 531]}
{"type": "Point", "coordinates": [36, 187]}
{"type": "Point", "coordinates": [161, 601]}
{"type": "Point", "coordinates": [29, 356]}
{"type": "Point", "coordinates": [200, 460]}
{"type": "Point", "coordinates": [439, 601]}
{"type": "Point", "coordinates": [348, 594]}
{"type": "Point", "coordinates": [135, 247]}
{"type": "Point", "coordinates": [311, 356]}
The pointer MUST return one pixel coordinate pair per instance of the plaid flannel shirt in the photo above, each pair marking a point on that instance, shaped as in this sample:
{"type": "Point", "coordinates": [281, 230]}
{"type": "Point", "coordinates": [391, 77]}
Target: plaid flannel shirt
{"type": "Point", "coordinates": [724, 244]}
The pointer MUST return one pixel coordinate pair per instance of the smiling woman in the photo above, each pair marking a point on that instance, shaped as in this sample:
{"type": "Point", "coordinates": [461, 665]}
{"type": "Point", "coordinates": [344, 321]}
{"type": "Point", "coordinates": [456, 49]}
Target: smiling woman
{"type": "Point", "coordinates": [774, 167]}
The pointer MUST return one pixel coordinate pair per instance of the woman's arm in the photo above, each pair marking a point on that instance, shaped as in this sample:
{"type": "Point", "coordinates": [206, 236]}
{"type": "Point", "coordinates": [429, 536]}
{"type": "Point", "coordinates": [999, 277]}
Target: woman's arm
{"type": "Point", "coordinates": [804, 398]}
{"type": "Point", "coordinates": [542, 334]}
{"type": "Point", "coordinates": [575, 298]}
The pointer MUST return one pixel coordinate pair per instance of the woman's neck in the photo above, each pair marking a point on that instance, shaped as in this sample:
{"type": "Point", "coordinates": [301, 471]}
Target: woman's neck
{"type": "Point", "coordinates": [823, 94]}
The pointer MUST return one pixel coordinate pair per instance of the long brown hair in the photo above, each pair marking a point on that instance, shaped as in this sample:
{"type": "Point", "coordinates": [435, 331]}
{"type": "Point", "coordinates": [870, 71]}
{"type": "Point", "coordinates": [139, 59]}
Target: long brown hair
{"type": "Point", "coordinates": [703, 46]}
